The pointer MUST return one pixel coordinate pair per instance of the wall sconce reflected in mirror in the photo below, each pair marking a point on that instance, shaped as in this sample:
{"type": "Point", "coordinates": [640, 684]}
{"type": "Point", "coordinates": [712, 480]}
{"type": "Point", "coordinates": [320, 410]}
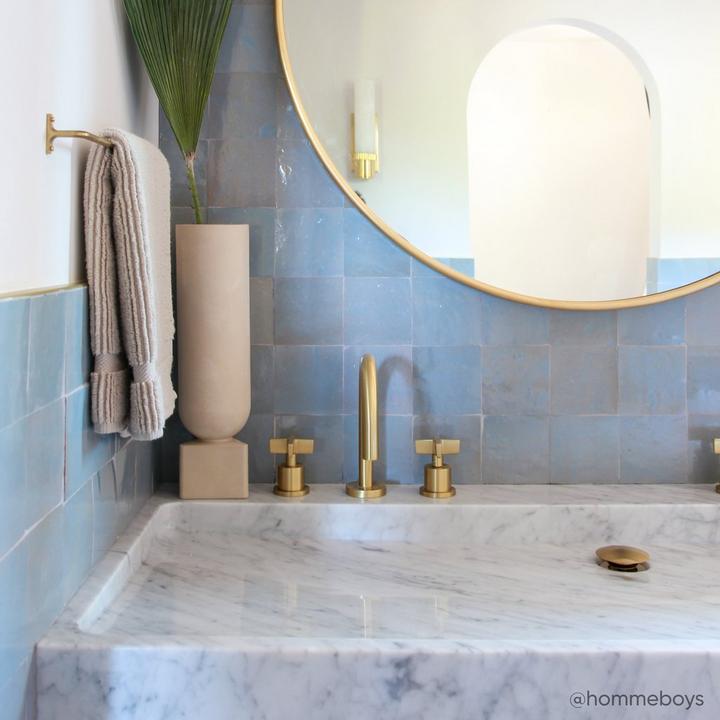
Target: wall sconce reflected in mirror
{"type": "Point", "coordinates": [365, 154]}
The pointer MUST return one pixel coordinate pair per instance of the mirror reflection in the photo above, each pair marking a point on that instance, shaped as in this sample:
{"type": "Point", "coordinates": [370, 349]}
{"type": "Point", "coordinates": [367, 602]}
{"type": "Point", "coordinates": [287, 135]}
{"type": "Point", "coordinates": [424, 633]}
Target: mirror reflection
{"type": "Point", "coordinates": [564, 150]}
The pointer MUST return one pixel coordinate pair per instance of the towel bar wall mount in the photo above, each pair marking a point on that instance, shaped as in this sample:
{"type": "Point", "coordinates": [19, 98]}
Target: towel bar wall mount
{"type": "Point", "coordinates": [51, 133]}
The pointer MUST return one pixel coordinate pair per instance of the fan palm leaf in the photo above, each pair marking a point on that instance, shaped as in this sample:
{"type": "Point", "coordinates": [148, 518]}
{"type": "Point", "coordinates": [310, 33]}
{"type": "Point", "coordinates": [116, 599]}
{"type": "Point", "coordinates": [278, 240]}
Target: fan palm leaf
{"type": "Point", "coordinates": [179, 41]}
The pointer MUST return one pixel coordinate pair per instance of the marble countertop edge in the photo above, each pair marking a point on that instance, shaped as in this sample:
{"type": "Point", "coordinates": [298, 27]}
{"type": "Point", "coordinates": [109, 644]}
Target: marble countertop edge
{"type": "Point", "coordinates": [477, 494]}
{"type": "Point", "coordinates": [64, 641]}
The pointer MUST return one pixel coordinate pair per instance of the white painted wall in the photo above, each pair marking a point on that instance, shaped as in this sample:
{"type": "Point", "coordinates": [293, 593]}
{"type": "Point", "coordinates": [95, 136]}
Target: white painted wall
{"type": "Point", "coordinates": [77, 60]}
{"type": "Point", "coordinates": [559, 170]}
{"type": "Point", "coordinates": [424, 56]}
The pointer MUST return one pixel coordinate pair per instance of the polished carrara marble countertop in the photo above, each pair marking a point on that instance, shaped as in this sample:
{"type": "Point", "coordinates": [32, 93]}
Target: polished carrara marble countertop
{"type": "Point", "coordinates": [501, 579]}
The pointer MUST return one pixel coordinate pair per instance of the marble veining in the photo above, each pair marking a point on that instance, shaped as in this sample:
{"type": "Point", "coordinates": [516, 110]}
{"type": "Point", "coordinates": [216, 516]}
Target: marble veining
{"type": "Point", "coordinates": [486, 606]}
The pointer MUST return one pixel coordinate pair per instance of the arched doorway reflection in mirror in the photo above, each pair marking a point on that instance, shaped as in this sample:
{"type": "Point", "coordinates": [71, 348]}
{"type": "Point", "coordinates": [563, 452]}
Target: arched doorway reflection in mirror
{"type": "Point", "coordinates": [561, 167]}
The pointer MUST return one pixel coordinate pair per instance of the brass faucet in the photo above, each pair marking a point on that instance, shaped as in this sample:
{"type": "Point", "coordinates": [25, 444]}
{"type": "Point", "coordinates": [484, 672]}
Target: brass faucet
{"type": "Point", "coordinates": [368, 434]}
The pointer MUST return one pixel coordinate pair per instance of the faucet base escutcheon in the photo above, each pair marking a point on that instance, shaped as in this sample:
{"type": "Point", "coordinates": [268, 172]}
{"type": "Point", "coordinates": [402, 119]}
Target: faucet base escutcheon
{"type": "Point", "coordinates": [376, 491]}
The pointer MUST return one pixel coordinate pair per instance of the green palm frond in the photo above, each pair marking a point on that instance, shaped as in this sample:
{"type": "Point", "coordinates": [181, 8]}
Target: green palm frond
{"type": "Point", "coordinates": [179, 41]}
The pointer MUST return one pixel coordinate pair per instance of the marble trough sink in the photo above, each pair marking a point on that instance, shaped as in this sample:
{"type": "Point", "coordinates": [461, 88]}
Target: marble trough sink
{"type": "Point", "coordinates": [486, 606]}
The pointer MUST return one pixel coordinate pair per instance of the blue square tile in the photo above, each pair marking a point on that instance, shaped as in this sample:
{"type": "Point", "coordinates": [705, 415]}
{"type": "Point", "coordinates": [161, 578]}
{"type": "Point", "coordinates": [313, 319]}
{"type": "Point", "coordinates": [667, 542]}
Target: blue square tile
{"type": "Point", "coordinates": [302, 180]}
{"type": "Point", "coordinates": [86, 451]}
{"type": "Point", "coordinates": [703, 380]}
{"type": "Point", "coordinates": [445, 312]}
{"type": "Point", "coordinates": [262, 376]}
{"type": "Point", "coordinates": [653, 449]}
{"type": "Point", "coordinates": [394, 378]}
{"type": "Point", "coordinates": [511, 323]}
{"type": "Point", "coordinates": [662, 324]}
{"type": "Point", "coordinates": [466, 266]}
{"type": "Point", "coordinates": [262, 326]}
{"type": "Point", "coordinates": [395, 460]}
{"type": "Point", "coordinates": [447, 380]}
{"type": "Point", "coordinates": [77, 340]}
{"type": "Point", "coordinates": [16, 639]}
{"type": "Point", "coordinates": [45, 589]}
{"type": "Point", "coordinates": [516, 380]}
{"type": "Point", "coordinates": [308, 311]}
{"type": "Point", "coordinates": [228, 161]}
{"type": "Point", "coordinates": [584, 449]}
{"type": "Point", "coordinates": [377, 311]}
{"type": "Point", "coordinates": [569, 327]}
{"type": "Point", "coordinates": [105, 515]}
{"type": "Point", "coordinates": [467, 465]}
{"type": "Point", "coordinates": [308, 379]}
{"type": "Point", "coordinates": [368, 251]}
{"type": "Point", "coordinates": [288, 123]}
{"type": "Point", "coordinates": [46, 349]}
{"type": "Point", "coordinates": [670, 273]}
{"type": "Point", "coordinates": [77, 539]}
{"type": "Point", "coordinates": [325, 465]}
{"type": "Point", "coordinates": [419, 269]}
{"type": "Point", "coordinates": [702, 312]}
{"type": "Point", "coordinates": [515, 450]}
{"type": "Point", "coordinates": [309, 243]}
{"type": "Point", "coordinates": [583, 380]}
{"type": "Point", "coordinates": [396, 436]}
{"type": "Point", "coordinates": [703, 463]}
{"type": "Point", "coordinates": [652, 380]}
{"type": "Point", "coordinates": [249, 43]}
{"type": "Point", "coordinates": [262, 234]}
{"type": "Point", "coordinates": [14, 331]}
{"type": "Point", "coordinates": [241, 105]}
{"type": "Point", "coordinates": [13, 483]}
{"type": "Point", "coordinates": [257, 432]}
{"type": "Point", "coordinates": [44, 460]}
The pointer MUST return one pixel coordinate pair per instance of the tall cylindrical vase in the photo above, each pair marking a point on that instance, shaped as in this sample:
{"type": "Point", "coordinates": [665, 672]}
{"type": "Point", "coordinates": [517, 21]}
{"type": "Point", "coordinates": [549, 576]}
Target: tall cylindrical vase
{"type": "Point", "coordinates": [213, 318]}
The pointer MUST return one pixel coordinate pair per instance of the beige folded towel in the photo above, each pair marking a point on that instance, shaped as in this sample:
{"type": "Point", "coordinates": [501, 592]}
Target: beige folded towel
{"type": "Point", "coordinates": [127, 249]}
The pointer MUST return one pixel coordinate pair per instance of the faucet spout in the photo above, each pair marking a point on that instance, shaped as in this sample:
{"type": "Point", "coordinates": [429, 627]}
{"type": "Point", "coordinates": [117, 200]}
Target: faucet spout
{"type": "Point", "coordinates": [367, 418]}
{"type": "Point", "coordinates": [368, 434]}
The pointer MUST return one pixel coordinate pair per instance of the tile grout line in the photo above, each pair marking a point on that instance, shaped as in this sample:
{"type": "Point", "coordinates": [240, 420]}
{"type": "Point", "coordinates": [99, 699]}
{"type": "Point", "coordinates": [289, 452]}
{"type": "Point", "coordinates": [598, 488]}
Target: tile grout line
{"type": "Point", "coordinates": [29, 530]}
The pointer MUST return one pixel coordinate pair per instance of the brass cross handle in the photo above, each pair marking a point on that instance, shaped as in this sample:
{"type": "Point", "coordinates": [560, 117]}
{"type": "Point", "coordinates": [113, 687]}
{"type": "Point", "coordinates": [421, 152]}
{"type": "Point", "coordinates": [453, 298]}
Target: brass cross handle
{"type": "Point", "coordinates": [438, 475]}
{"type": "Point", "coordinates": [437, 448]}
{"type": "Point", "coordinates": [290, 480]}
{"type": "Point", "coordinates": [292, 447]}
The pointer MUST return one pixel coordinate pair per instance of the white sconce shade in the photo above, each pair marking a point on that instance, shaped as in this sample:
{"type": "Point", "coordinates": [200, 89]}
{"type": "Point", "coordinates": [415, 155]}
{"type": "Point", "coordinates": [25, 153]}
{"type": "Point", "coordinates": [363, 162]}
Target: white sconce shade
{"type": "Point", "coordinates": [365, 116]}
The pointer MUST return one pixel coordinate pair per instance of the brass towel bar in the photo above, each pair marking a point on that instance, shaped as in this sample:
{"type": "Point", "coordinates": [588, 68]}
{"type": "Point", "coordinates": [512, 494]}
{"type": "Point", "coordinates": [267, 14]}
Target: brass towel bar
{"type": "Point", "coordinates": [51, 133]}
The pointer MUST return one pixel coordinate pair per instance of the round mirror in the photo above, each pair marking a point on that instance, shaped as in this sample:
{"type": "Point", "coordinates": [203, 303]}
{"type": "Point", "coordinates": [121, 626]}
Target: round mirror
{"type": "Point", "coordinates": [559, 153]}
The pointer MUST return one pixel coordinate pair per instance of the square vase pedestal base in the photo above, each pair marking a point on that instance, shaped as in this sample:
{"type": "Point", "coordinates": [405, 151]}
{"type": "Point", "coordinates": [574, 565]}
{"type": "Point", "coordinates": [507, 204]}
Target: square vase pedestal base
{"type": "Point", "coordinates": [213, 470]}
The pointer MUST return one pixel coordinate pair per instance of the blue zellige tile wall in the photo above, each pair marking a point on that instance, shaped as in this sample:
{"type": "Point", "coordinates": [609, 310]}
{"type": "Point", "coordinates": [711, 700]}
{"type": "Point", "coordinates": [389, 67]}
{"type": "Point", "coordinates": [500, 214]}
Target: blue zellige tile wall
{"type": "Point", "coordinates": [536, 396]}
{"type": "Point", "coordinates": [65, 493]}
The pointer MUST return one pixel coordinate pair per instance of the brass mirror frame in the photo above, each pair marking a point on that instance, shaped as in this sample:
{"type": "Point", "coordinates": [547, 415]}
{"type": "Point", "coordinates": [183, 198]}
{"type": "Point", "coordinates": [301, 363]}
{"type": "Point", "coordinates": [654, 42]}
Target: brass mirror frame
{"type": "Point", "coordinates": [431, 262]}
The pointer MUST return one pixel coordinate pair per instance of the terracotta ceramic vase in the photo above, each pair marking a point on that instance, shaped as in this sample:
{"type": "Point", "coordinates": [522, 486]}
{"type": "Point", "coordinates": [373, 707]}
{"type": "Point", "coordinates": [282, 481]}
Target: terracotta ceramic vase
{"type": "Point", "coordinates": [213, 319]}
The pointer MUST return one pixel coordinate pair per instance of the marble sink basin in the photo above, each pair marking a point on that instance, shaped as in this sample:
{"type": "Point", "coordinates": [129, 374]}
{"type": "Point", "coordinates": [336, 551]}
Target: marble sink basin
{"type": "Point", "coordinates": [489, 605]}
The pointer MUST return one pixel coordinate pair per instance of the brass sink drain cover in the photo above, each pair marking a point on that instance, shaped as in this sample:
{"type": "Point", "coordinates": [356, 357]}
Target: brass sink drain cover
{"type": "Point", "coordinates": [623, 558]}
